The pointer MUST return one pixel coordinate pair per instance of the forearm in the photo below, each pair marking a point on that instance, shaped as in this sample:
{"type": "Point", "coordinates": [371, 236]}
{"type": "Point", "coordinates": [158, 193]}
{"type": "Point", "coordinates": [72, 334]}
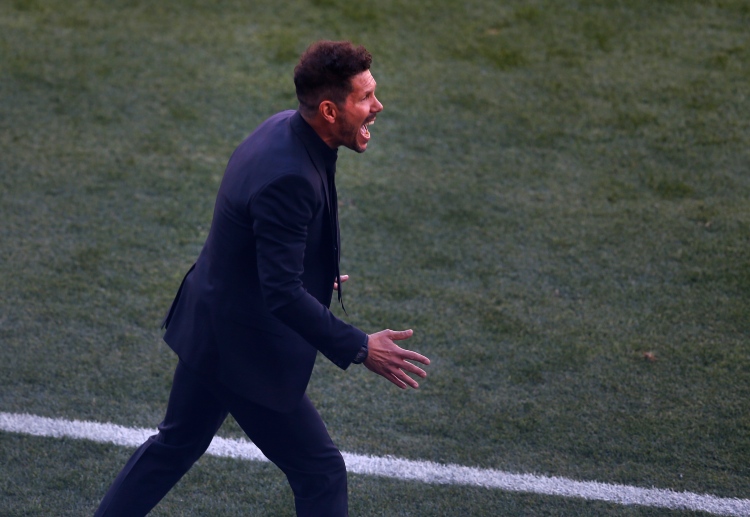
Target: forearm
{"type": "Point", "coordinates": [337, 340]}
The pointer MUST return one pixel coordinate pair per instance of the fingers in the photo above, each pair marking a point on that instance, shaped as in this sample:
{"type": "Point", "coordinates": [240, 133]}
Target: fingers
{"type": "Point", "coordinates": [403, 384]}
{"type": "Point", "coordinates": [409, 355]}
{"type": "Point", "coordinates": [398, 370]}
{"type": "Point", "coordinates": [389, 360]}
{"type": "Point", "coordinates": [398, 382]}
{"type": "Point", "coordinates": [408, 381]}
{"type": "Point", "coordinates": [344, 278]}
{"type": "Point", "coordinates": [413, 356]}
{"type": "Point", "coordinates": [397, 375]}
{"type": "Point", "coordinates": [413, 369]}
{"type": "Point", "coordinates": [399, 335]}
{"type": "Point", "coordinates": [402, 380]}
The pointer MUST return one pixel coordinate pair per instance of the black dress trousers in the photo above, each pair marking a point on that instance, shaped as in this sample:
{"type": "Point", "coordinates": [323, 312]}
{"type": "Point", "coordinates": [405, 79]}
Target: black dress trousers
{"type": "Point", "coordinates": [297, 442]}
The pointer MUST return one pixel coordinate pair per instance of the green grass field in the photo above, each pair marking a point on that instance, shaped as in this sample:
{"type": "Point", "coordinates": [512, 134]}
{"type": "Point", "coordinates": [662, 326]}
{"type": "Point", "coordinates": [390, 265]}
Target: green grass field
{"type": "Point", "coordinates": [556, 199]}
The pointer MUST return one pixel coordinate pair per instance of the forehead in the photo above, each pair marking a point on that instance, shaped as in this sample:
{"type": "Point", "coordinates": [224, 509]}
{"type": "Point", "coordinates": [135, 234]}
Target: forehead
{"type": "Point", "coordinates": [363, 82]}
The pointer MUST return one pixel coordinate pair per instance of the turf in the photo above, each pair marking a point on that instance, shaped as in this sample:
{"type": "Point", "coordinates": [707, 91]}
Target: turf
{"type": "Point", "coordinates": [555, 199]}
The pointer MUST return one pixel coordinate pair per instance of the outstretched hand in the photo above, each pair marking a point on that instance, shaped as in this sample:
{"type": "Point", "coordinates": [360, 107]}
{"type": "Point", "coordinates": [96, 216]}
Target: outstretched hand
{"type": "Point", "coordinates": [389, 360]}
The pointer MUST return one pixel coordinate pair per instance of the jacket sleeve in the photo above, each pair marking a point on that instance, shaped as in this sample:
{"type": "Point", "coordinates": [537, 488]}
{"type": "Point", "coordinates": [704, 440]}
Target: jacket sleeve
{"type": "Point", "coordinates": [281, 212]}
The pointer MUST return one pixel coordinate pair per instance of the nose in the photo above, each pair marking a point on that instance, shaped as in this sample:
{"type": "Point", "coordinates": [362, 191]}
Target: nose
{"type": "Point", "coordinates": [378, 106]}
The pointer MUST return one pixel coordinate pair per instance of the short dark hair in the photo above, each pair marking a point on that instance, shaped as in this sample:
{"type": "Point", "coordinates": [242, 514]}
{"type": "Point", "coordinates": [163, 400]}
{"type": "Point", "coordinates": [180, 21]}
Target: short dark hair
{"type": "Point", "coordinates": [325, 70]}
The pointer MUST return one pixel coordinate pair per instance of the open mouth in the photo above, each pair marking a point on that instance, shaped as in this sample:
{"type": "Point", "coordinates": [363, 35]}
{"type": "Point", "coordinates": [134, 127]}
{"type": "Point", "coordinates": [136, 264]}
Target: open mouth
{"type": "Point", "coordinates": [364, 131]}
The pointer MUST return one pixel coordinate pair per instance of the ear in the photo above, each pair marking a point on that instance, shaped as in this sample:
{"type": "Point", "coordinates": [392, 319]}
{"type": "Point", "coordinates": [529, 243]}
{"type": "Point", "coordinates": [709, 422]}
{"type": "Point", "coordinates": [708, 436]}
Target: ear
{"type": "Point", "coordinates": [329, 111]}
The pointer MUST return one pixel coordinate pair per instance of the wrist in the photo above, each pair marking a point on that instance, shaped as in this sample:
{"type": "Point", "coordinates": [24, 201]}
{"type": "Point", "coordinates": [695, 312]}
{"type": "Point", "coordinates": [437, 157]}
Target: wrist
{"type": "Point", "coordinates": [362, 354]}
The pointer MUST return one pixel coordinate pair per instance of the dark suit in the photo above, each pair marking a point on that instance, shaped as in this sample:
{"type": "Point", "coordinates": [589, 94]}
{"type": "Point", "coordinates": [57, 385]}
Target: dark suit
{"type": "Point", "coordinates": [247, 323]}
{"type": "Point", "coordinates": [254, 309]}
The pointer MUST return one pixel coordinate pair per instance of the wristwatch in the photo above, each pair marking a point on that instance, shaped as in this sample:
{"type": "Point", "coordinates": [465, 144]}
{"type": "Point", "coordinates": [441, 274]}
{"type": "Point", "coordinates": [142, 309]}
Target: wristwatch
{"type": "Point", "coordinates": [362, 354]}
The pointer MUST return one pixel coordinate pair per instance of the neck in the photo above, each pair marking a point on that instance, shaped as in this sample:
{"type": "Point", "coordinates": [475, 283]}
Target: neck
{"type": "Point", "coordinates": [321, 127]}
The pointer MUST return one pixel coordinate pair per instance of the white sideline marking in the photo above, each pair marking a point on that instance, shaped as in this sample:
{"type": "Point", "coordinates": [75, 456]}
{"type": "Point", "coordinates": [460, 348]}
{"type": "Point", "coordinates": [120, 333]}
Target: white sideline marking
{"type": "Point", "coordinates": [423, 471]}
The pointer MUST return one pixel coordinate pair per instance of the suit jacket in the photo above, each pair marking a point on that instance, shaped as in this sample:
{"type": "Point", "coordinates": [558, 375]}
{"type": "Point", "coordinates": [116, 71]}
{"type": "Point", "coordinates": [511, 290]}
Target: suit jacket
{"type": "Point", "coordinates": [254, 309]}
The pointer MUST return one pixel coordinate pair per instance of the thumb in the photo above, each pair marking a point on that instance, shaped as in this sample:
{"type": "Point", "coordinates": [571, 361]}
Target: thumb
{"type": "Point", "coordinates": [401, 334]}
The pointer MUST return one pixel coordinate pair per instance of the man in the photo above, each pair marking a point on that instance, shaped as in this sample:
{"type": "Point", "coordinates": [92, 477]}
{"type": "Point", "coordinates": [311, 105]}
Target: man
{"type": "Point", "coordinates": [252, 313]}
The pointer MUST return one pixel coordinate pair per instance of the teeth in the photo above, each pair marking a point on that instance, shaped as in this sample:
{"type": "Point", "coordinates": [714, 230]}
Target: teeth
{"type": "Point", "coordinates": [364, 130]}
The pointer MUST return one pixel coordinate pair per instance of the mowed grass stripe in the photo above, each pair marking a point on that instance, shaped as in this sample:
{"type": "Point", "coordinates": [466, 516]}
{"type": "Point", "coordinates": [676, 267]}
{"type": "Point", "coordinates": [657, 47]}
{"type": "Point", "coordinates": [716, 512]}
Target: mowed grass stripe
{"type": "Point", "coordinates": [422, 471]}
